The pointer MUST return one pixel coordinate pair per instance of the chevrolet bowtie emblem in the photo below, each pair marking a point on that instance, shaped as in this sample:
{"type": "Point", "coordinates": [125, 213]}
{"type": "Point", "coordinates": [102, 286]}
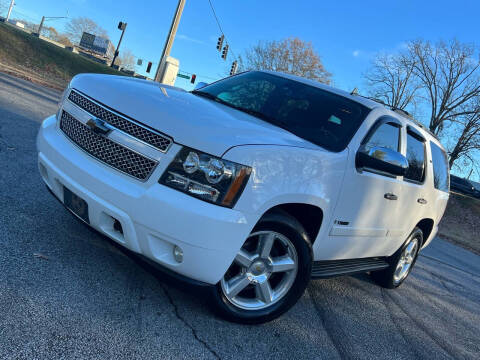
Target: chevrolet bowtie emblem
{"type": "Point", "coordinates": [98, 126]}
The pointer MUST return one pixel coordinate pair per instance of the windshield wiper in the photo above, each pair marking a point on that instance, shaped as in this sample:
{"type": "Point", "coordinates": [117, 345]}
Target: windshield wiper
{"type": "Point", "coordinates": [204, 94]}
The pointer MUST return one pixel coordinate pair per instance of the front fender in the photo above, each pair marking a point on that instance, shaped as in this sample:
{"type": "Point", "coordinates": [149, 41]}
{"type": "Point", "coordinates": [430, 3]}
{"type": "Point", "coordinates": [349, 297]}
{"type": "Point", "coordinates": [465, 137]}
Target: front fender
{"type": "Point", "coordinates": [285, 174]}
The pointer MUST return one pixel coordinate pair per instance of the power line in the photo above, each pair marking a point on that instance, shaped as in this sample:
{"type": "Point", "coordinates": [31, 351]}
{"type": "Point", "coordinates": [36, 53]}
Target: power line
{"type": "Point", "coordinates": [220, 26]}
{"type": "Point", "coordinates": [216, 17]}
{"type": "Point", "coordinates": [23, 15]}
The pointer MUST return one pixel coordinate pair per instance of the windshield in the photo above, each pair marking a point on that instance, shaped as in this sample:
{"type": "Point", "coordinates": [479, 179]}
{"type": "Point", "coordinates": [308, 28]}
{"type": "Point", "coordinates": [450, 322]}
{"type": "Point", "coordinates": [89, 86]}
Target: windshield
{"type": "Point", "coordinates": [316, 115]}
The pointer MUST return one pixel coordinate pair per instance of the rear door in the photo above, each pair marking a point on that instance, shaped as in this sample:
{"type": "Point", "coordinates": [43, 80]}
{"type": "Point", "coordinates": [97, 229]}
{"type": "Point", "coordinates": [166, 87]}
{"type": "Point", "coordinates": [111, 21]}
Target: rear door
{"type": "Point", "coordinates": [441, 183]}
{"type": "Point", "coordinates": [416, 198]}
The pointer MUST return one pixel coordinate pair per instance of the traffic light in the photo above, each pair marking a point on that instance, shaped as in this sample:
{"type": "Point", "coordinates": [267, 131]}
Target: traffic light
{"type": "Point", "coordinates": [193, 78]}
{"type": "Point", "coordinates": [220, 42]}
{"type": "Point", "coordinates": [233, 69]}
{"type": "Point", "coordinates": [225, 52]}
{"type": "Point", "coordinates": [122, 25]}
{"type": "Point", "coordinates": [149, 66]}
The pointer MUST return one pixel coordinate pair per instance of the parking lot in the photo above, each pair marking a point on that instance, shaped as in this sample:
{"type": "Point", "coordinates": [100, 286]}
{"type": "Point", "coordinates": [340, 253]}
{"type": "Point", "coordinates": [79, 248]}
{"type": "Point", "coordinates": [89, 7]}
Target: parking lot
{"type": "Point", "coordinates": [68, 292]}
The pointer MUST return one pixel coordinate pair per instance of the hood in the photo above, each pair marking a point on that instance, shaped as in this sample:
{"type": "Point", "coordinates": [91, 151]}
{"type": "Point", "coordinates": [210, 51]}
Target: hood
{"type": "Point", "coordinates": [189, 119]}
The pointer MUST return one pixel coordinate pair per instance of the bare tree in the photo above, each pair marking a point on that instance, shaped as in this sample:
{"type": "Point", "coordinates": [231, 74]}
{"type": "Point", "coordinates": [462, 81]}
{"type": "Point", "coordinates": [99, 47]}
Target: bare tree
{"type": "Point", "coordinates": [77, 26]}
{"type": "Point", "coordinates": [292, 56]}
{"type": "Point", "coordinates": [126, 60]}
{"type": "Point", "coordinates": [450, 76]}
{"type": "Point", "coordinates": [467, 129]}
{"type": "Point", "coordinates": [391, 80]}
{"type": "Point", "coordinates": [446, 76]}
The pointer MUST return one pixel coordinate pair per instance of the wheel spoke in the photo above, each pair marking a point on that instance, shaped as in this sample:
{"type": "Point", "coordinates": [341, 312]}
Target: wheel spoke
{"type": "Point", "coordinates": [399, 269]}
{"type": "Point", "coordinates": [265, 245]}
{"type": "Point", "coordinates": [264, 292]}
{"type": "Point", "coordinates": [243, 258]}
{"type": "Point", "coordinates": [282, 264]}
{"type": "Point", "coordinates": [236, 284]}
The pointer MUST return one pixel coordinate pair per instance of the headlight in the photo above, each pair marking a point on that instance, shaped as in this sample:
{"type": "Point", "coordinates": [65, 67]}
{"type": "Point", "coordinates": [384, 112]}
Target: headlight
{"type": "Point", "coordinates": [206, 177]}
{"type": "Point", "coordinates": [62, 99]}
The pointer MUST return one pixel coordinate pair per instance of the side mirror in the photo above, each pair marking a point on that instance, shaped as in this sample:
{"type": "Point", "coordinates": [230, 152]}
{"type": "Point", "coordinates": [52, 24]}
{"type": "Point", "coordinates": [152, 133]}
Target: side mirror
{"type": "Point", "coordinates": [200, 85]}
{"type": "Point", "coordinates": [381, 159]}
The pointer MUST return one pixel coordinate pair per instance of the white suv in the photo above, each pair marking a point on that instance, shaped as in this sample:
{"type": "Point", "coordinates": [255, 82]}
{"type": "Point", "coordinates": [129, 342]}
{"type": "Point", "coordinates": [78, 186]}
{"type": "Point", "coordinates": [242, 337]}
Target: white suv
{"type": "Point", "coordinates": [252, 185]}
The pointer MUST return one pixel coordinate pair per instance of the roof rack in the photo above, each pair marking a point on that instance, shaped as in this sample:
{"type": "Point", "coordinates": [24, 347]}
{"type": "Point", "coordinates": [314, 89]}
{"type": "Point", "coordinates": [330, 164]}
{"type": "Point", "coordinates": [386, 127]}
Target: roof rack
{"type": "Point", "coordinates": [397, 110]}
{"type": "Point", "coordinates": [402, 112]}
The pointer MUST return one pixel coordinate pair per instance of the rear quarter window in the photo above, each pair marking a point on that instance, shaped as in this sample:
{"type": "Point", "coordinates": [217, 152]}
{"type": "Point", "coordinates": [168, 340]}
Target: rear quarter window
{"type": "Point", "coordinates": [441, 178]}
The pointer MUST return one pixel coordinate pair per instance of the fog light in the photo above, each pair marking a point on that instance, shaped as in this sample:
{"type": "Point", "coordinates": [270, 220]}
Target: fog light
{"type": "Point", "coordinates": [177, 254]}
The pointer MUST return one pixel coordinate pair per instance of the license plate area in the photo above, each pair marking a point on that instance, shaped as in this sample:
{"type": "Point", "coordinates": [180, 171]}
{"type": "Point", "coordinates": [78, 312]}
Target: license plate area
{"type": "Point", "coordinates": [76, 204]}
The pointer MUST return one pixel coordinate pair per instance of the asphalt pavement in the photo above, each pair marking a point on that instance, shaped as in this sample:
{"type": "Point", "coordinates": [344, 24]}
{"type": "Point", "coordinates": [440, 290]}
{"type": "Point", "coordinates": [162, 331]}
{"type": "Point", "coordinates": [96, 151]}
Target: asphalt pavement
{"type": "Point", "coordinates": [67, 292]}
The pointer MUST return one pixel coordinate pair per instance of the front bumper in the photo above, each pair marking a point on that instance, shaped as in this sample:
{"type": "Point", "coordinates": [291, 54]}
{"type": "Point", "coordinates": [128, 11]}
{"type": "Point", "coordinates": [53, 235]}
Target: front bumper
{"type": "Point", "coordinates": [154, 218]}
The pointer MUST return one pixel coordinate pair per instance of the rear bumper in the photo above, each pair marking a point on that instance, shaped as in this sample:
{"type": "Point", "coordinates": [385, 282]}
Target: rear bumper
{"type": "Point", "coordinates": [154, 218]}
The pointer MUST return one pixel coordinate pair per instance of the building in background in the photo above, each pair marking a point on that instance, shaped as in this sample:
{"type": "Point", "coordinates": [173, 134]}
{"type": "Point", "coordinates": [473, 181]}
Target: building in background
{"type": "Point", "coordinates": [98, 45]}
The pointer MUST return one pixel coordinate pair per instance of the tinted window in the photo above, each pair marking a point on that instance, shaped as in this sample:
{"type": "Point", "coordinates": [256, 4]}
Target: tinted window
{"type": "Point", "coordinates": [440, 168]}
{"type": "Point", "coordinates": [416, 158]}
{"type": "Point", "coordinates": [314, 114]}
{"type": "Point", "coordinates": [386, 135]}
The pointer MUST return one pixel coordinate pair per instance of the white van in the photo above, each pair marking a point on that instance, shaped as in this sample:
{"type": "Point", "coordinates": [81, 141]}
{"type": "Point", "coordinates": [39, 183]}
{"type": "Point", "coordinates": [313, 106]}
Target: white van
{"type": "Point", "coordinates": [251, 185]}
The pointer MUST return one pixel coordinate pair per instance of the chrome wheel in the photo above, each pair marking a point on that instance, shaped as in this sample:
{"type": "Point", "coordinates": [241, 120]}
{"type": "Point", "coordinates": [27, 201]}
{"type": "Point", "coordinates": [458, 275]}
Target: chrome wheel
{"type": "Point", "coordinates": [405, 262]}
{"type": "Point", "coordinates": [263, 271]}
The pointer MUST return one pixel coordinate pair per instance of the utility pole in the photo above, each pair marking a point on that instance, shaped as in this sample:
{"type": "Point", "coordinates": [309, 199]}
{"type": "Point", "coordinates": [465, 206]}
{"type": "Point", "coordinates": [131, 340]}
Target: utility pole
{"type": "Point", "coordinates": [121, 26]}
{"type": "Point", "coordinates": [12, 3]}
{"type": "Point", "coordinates": [40, 27]}
{"type": "Point", "coordinates": [170, 39]}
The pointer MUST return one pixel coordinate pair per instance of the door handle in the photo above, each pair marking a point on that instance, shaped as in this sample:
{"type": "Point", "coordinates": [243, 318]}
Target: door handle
{"type": "Point", "coordinates": [422, 201]}
{"type": "Point", "coordinates": [390, 196]}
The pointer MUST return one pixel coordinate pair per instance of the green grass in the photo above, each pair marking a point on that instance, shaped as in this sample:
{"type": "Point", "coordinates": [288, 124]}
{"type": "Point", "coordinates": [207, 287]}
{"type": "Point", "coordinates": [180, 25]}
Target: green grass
{"type": "Point", "coordinates": [28, 53]}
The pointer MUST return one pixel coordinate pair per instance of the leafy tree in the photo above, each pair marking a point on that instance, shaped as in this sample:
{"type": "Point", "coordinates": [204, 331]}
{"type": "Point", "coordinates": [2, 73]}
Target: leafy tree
{"type": "Point", "coordinates": [291, 56]}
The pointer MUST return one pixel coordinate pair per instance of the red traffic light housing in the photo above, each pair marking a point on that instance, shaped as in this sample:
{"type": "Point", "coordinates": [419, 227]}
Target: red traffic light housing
{"type": "Point", "coordinates": [193, 78]}
{"type": "Point", "coordinates": [149, 66]}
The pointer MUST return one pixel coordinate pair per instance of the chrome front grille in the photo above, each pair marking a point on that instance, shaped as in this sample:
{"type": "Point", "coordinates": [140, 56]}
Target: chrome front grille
{"type": "Point", "coordinates": [105, 150]}
{"type": "Point", "coordinates": [150, 137]}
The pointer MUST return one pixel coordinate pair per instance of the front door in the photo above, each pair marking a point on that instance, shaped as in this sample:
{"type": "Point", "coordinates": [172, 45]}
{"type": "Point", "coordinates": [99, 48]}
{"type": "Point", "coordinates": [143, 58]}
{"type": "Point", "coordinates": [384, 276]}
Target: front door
{"type": "Point", "coordinates": [368, 210]}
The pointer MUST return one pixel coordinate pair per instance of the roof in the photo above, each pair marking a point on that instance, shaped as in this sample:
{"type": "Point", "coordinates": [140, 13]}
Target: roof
{"type": "Point", "coordinates": [369, 103]}
{"type": "Point", "coordinates": [365, 101]}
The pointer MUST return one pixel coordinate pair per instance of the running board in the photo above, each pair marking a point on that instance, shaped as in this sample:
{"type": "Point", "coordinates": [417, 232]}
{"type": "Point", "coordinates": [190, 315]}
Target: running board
{"type": "Point", "coordinates": [331, 268]}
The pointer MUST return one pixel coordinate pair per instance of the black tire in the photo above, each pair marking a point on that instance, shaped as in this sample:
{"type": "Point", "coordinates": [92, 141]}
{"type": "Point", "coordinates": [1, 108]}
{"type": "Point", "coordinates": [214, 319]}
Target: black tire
{"type": "Point", "coordinates": [288, 226]}
{"type": "Point", "coordinates": [385, 278]}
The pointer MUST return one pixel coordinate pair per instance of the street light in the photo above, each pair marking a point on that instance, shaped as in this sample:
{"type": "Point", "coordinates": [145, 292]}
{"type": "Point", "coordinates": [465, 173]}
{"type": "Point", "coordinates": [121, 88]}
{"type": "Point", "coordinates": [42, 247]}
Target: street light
{"type": "Point", "coordinates": [121, 26]}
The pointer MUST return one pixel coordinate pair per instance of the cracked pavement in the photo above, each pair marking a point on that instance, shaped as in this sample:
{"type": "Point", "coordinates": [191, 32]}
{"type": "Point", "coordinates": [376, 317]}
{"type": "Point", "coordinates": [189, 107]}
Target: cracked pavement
{"type": "Point", "coordinates": [84, 297]}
